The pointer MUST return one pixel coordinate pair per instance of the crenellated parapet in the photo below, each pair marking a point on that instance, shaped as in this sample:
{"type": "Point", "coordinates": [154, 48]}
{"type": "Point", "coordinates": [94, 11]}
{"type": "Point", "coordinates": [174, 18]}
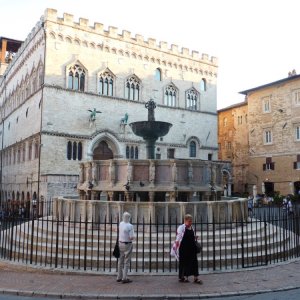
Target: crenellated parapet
{"type": "Point", "coordinates": [112, 32]}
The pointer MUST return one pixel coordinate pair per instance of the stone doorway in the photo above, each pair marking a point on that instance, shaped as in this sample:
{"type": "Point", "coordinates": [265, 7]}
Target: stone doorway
{"type": "Point", "coordinates": [269, 188]}
{"type": "Point", "coordinates": [297, 187]}
{"type": "Point", "coordinates": [102, 152]}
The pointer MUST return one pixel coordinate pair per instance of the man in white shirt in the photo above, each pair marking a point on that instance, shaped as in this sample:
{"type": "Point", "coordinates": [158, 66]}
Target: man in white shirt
{"type": "Point", "coordinates": [126, 236]}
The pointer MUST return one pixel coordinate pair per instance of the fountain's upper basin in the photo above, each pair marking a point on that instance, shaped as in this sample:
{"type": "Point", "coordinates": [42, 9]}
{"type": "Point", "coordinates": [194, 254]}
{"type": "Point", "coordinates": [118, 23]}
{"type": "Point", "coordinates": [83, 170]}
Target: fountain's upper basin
{"type": "Point", "coordinates": [150, 129]}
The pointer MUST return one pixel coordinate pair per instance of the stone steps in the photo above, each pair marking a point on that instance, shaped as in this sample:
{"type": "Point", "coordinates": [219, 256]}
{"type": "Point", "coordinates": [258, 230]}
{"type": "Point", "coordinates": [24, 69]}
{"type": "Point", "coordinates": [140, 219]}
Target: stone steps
{"type": "Point", "coordinates": [219, 248]}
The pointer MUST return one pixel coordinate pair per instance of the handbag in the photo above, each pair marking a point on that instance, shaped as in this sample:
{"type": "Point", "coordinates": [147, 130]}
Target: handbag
{"type": "Point", "coordinates": [198, 247]}
{"type": "Point", "coordinates": [116, 252]}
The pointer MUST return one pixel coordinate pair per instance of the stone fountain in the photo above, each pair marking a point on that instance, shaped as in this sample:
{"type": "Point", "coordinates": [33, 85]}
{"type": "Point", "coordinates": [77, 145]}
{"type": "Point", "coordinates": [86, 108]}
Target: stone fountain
{"type": "Point", "coordinates": [150, 130]}
{"type": "Point", "coordinates": [151, 188]}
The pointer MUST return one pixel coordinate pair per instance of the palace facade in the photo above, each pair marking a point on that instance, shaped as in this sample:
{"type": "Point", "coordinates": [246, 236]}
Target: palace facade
{"type": "Point", "coordinates": [71, 90]}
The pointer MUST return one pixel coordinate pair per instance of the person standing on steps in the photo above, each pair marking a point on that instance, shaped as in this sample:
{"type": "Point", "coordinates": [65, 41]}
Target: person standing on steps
{"type": "Point", "coordinates": [184, 249]}
{"type": "Point", "coordinates": [126, 236]}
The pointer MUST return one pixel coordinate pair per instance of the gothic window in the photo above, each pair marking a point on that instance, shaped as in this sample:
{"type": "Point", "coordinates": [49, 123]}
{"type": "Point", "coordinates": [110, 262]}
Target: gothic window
{"type": "Point", "coordinates": [170, 96]}
{"type": "Point", "coordinates": [132, 89]}
{"type": "Point", "coordinates": [76, 78]}
{"type": "Point", "coordinates": [203, 85]}
{"type": "Point", "coordinates": [34, 81]}
{"type": "Point", "coordinates": [41, 75]}
{"type": "Point", "coordinates": [29, 151]}
{"type": "Point", "coordinates": [79, 151]}
{"type": "Point", "coordinates": [191, 99]}
{"type": "Point", "coordinates": [192, 149]}
{"type": "Point", "coordinates": [27, 83]}
{"type": "Point", "coordinates": [24, 153]}
{"type": "Point", "coordinates": [132, 152]}
{"type": "Point", "coordinates": [106, 84]}
{"type": "Point", "coordinates": [171, 153]}
{"type": "Point", "coordinates": [36, 150]}
{"type": "Point", "coordinates": [157, 74]}
{"type": "Point", "coordinates": [74, 150]}
{"type": "Point", "coordinates": [127, 152]}
{"type": "Point", "coordinates": [69, 150]}
{"type": "Point", "coordinates": [19, 155]}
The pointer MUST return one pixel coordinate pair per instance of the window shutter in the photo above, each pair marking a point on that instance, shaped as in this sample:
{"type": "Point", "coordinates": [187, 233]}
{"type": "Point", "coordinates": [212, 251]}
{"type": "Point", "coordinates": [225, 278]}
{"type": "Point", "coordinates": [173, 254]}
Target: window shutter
{"type": "Point", "coordinates": [272, 165]}
{"type": "Point", "coordinates": [269, 160]}
{"type": "Point", "coordinates": [295, 165]}
{"type": "Point", "coordinates": [298, 157]}
{"type": "Point", "coordinates": [264, 167]}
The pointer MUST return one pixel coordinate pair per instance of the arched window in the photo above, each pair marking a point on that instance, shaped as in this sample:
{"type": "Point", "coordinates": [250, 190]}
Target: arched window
{"type": "Point", "coordinates": [170, 95]}
{"type": "Point", "coordinates": [203, 85]}
{"type": "Point", "coordinates": [36, 150]}
{"type": "Point", "coordinates": [29, 151]}
{"type": "Point", "coordinates": [79, 151]}
{"type": "Point", "coordinates": [136, 153]}
{"type": "Point", "coordinates": [127, 152]}
{"type": "Point", "coordinates": [76, 78]}
{"type": "Point", "coordinates": [131, 152]}
{"type": "Point", "coordinates": [191, 99]}
{"type": "Point", "coordinates": [41, 75]}
{"type": "Point", "coordinates": [74, 150]}
{"type": "Point", "coordinates": [192, 149]}
{"type": "Point", "coordinates": [19, 155]}
{"type": "Point", "coordinates": [69, 150]}
{"type": "Point", "coordinates": [24, 153]}
{"type": "Point", "coordinates": [157, 74]}
{"type": "Point", "coordinates": [132, 89]}
{"type": "Point", "coordinates": [106, 84]}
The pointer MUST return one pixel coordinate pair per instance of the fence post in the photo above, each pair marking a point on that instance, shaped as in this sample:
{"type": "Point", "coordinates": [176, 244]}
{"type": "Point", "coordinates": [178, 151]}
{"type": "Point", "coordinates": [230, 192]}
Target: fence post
{"type": "Point", "coordinates": [214, 244]}
{"type": "Point", "coordinates": [32, 234]}
{"type": "Point", "coordinates": [266, 240]}
{"type": "Point", "coordinates": [242, 244]}
{"type": "Point", "coordinates": [11, 237]}
{"type": "Point", "coordinates": [56, 245]}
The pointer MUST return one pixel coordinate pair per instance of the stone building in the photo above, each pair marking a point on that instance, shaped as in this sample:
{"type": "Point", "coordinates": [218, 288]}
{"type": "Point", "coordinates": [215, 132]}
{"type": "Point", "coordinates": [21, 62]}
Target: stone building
{"type": "Point", "coordinates": [233, 144]}
{"type": "Point", "coordinates": [72, 89]}
{"type": "Point", "coordinates": [274, 136]}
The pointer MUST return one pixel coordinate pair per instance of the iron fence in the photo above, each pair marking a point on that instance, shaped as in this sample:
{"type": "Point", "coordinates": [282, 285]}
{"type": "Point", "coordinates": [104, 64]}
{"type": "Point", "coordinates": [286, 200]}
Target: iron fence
{"type": "Point", "coordinates": [269, 236]}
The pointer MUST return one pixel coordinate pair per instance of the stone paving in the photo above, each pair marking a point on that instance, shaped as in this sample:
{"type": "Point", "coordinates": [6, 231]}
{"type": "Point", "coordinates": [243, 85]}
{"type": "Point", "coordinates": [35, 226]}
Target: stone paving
{"type": "Point", "coordinates": [29, 281]}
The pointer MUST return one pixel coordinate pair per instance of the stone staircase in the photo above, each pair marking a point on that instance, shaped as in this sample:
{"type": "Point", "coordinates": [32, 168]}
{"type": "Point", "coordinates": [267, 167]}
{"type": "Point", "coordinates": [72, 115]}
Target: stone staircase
{"type": "Point", "coordinates": [49, 243]}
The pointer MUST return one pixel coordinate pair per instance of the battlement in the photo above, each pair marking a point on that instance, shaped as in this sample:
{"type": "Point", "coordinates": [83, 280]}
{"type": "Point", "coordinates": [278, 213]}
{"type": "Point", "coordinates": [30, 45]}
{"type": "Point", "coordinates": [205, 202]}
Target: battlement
{"type": "Point", "coordinates": [112, 32]}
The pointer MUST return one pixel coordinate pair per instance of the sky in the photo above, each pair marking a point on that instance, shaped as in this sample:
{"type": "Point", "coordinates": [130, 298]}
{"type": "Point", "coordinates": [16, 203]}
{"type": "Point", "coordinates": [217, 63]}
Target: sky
{"type": "Point", "coordinates": [256, 41]}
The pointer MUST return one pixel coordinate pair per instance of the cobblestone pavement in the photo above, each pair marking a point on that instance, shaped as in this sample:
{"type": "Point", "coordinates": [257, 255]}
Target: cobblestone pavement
{"type": "Point", "coordinates": [29, 281]}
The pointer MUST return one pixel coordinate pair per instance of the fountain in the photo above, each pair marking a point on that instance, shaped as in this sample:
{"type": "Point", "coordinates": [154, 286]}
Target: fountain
{"type": "Point", "coordinates": [160, 189]}
{"type": "Point", "coordinates": [150, 130]}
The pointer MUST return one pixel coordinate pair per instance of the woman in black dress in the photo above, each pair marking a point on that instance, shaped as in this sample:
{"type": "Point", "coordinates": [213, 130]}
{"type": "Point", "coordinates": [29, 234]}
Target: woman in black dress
{"type": "Point", "coordinates": [188, 262]}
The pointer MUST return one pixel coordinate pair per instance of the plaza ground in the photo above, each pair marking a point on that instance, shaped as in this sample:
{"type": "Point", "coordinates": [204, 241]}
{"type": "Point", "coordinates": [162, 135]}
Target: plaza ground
{"type": "Point", "coordinates": [26, 280]}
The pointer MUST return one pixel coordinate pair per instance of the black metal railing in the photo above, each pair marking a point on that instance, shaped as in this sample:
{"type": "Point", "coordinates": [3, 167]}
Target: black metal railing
{"type": "Point", "coordinates": [270, 236]}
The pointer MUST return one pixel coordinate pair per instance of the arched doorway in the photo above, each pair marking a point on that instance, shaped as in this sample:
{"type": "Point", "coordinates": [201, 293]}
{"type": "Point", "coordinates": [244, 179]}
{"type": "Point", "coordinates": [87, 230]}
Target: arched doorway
{"type": "Point", "coordinates": [297, 187]}
{"type": "Point", "coordinates": [102, 152]}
